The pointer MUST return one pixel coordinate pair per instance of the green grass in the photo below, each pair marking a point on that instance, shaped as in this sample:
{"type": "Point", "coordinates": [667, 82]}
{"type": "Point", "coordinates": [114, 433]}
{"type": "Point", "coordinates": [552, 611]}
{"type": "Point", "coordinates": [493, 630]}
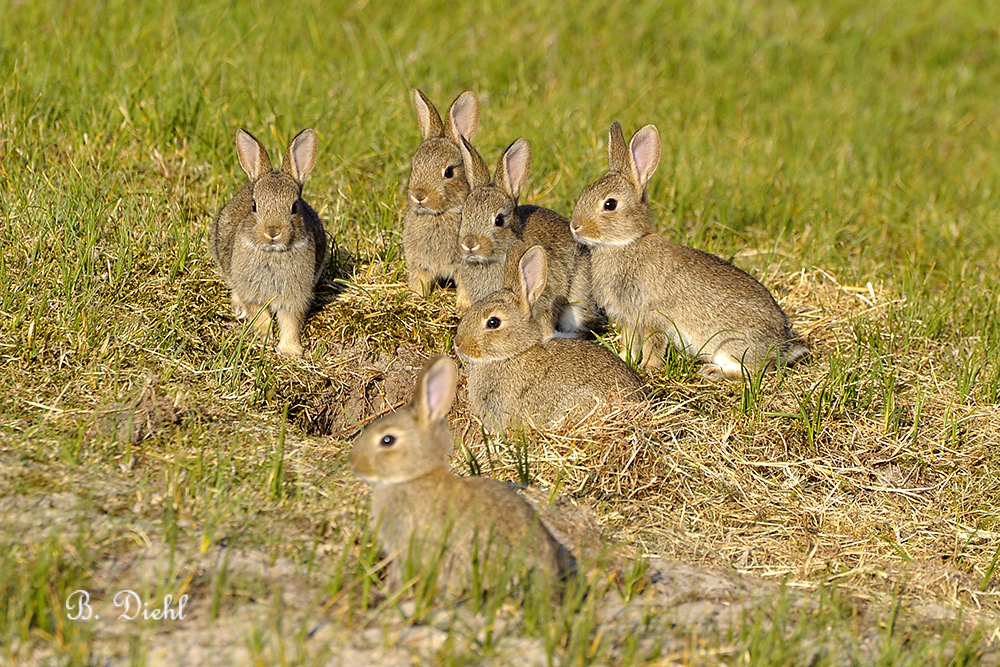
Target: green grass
{"type": "Point", "coordinates": [146, 442]}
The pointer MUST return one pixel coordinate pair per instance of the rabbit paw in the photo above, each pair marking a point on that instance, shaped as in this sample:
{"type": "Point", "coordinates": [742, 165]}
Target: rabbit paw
{"type": "Point", "coordinates": [651, 361]}
{"type": "Point", "coordinates": [723, 371]}
{"type": "Point", "coordinates": [420, 281]}
{"type": "Point", "coordinates": [240, 308]}
{"type": "Point", "coordinates": [290, 348]}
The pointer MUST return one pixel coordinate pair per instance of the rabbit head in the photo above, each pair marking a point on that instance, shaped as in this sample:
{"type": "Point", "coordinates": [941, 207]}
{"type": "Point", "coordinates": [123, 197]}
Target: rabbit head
{"type": "Point", "coordinates": [414, 440]}
{"type": "Point", "coordinates": [614, 211]}
{"type": "Point", "coordinates": [489, 219]}
{"type": "Point", "coordinates": [437, 175]}
{"type": "Point", "coordinates": [276, 222]}
{"type": "Point", "coordinates": [503, 324]}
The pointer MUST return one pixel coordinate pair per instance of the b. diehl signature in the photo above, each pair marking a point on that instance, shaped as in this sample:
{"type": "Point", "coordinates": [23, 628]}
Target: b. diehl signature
{"type": "Point", "coordinates": [78, 607]}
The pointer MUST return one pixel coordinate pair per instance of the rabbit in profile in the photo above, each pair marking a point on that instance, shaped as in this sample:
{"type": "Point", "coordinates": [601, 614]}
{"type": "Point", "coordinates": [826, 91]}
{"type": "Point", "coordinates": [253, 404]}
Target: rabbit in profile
{"type": "Point", "coordinates": [516, 372]}
{"type": "Point", "coordinates": [436, 191]}
{"type": "Point", "coordinates": [659, 292]}
{"type": "Point", "coordinates": [268, 243]}
{"type": "Point", "coordinates": [423, 510]}
{"type": "Point", "coordinates": [492, 220]}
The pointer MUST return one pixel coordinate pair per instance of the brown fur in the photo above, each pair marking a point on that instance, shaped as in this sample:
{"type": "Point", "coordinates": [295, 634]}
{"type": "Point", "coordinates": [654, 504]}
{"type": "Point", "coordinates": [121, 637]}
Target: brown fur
{"type": "Point", "coordinates": [436, 192]}
{"type": "Point", "coordinates": [658, 292]}
{"type": "Point", "coordinates": [516, 372]}
{"type": "Point", "coordinates": [566, 303]}
{"type": "Point", "coordinates": [268, 243]}
{"type": "Point", "coordinates": [422, 509]}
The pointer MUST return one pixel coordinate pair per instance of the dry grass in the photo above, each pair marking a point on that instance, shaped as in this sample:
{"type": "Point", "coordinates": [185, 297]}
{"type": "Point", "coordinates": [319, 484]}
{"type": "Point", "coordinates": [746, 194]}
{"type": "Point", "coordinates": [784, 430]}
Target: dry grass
{"type": "Point", "coordinates": [876, 509]}
{"type": "Point", "coordinates": [842, 153]}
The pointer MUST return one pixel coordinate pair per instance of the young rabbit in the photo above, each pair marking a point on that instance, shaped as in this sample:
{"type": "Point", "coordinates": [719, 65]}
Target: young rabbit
{"type": "Point", "coordinates": [515, 372]}
{"type": "Point", "coordinates": [423, 510]}
{"type": "Point", "coordinates": [492, 221]}
{"type": "Point", "coordinates": [268, 243]}
{"type": "Point", "coordinates": [436, 191]}
{"type": "Point", "coordinates": [657, 291]}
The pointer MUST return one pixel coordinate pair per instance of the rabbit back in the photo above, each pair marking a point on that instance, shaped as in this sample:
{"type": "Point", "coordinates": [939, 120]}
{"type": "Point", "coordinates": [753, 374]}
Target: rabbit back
{"type": "Point", "coordinates": [660, 292]}
{"type": "Point", "coordinates": [701, 304]}
{"type": "Point", "coordinates": [465, 520]}
{"type": "Point", "coordinates": [564, 377]}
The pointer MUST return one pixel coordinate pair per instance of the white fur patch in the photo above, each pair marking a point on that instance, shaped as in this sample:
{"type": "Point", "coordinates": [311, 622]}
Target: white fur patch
{"type": "Point", "coordinates": [277, 247]}
{"type": "Point", "coordinates": [468, 360]}
{"type": "Point", "coordinates": [477, 259]}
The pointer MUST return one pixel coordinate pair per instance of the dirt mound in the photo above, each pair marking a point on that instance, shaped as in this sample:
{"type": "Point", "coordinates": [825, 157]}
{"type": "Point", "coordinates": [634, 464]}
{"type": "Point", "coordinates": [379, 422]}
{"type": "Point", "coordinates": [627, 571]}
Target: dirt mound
{"type": "Point", "coordinates": [370, 383]}
{"type": "Point", "coordinates": [131, 422]}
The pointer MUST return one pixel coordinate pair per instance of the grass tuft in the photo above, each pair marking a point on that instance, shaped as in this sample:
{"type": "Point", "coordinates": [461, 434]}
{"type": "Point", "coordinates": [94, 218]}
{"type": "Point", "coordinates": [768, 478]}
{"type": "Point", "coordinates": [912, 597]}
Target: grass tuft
{"type": "Point", "coordinates": [842, 154]}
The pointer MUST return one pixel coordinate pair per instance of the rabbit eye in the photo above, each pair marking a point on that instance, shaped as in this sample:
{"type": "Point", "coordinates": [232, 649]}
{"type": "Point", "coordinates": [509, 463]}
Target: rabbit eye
{"type": "Point", "coordinates": [295, 208]}
{"type": "Point", "coordinates": [388, 440]}
{"type": "Point", "coordinates": [493, 323]}
{"type": "Point", "coordinates": [254, 207]}
{"type": "Point", "coordinates": [449, 172]}
{"type": "Point", "coordinates": [499, 220]}
{"type": "Point", "coordinates": [610, 204]}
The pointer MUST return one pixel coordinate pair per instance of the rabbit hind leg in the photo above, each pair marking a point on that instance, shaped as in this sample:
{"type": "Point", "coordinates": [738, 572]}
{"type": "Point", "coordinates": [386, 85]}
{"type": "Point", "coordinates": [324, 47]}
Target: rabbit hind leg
{"type": "Point", "coordinates": [723, 367]}
{"type": "Point", "coordinates": [654, 345]}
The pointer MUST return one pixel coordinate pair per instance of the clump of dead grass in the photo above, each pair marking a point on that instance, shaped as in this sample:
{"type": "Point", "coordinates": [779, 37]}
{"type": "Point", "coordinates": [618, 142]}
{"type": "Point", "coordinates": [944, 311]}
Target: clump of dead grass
{"type": "Point", "coordinates": [869, 501]}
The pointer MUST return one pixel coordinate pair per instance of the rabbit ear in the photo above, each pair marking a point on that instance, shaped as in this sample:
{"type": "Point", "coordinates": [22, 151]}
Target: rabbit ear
{"type": "Point", "coordinates": [534, 268]}
{"type": "Point", "coordinates": [435, 390]}
{"type": "Point", "coordinates": [618, 156]}
{"type": "Point", "coordinates": [252, 154]}
{"type": "Point", "coordinates": [476, 171]}
{"type": "Point", "coordinates": [463, 117]}
{"type": "Point", "coordinates": [427, 116]}
{"type": "Point", "coordinates": [514, 167]}
{"type": "Point", "coordinates": [644, 156]}
{"type": "Point", "coordinates": [301, 155]}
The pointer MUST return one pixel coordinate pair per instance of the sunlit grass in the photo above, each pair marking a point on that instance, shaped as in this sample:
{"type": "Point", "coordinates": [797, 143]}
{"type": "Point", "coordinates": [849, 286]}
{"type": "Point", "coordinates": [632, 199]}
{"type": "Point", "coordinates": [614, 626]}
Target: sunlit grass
{"type": "Point", "coordinates": [841, 152]}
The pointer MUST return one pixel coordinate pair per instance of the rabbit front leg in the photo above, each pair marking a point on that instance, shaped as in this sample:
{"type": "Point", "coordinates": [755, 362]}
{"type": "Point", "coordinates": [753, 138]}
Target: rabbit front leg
{"type": "Point", "coordinates": [239, 307]}
{"type": "Point", "coordinates": [290, 328]}
{"type": "Point", "coordinates": [420, 280]}
{"type": "Point", "coordinates": [260, 318]}
{"type": "Point", "coordinates": [462, 300]}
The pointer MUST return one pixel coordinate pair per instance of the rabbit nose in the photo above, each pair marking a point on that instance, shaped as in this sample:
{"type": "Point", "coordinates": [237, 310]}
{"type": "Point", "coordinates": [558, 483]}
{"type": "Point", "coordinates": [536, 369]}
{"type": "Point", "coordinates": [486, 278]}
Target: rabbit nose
{"type": "Point", "coordinates": [467, 245]}
{"type": "Point", "coordinates": [418, 196]}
